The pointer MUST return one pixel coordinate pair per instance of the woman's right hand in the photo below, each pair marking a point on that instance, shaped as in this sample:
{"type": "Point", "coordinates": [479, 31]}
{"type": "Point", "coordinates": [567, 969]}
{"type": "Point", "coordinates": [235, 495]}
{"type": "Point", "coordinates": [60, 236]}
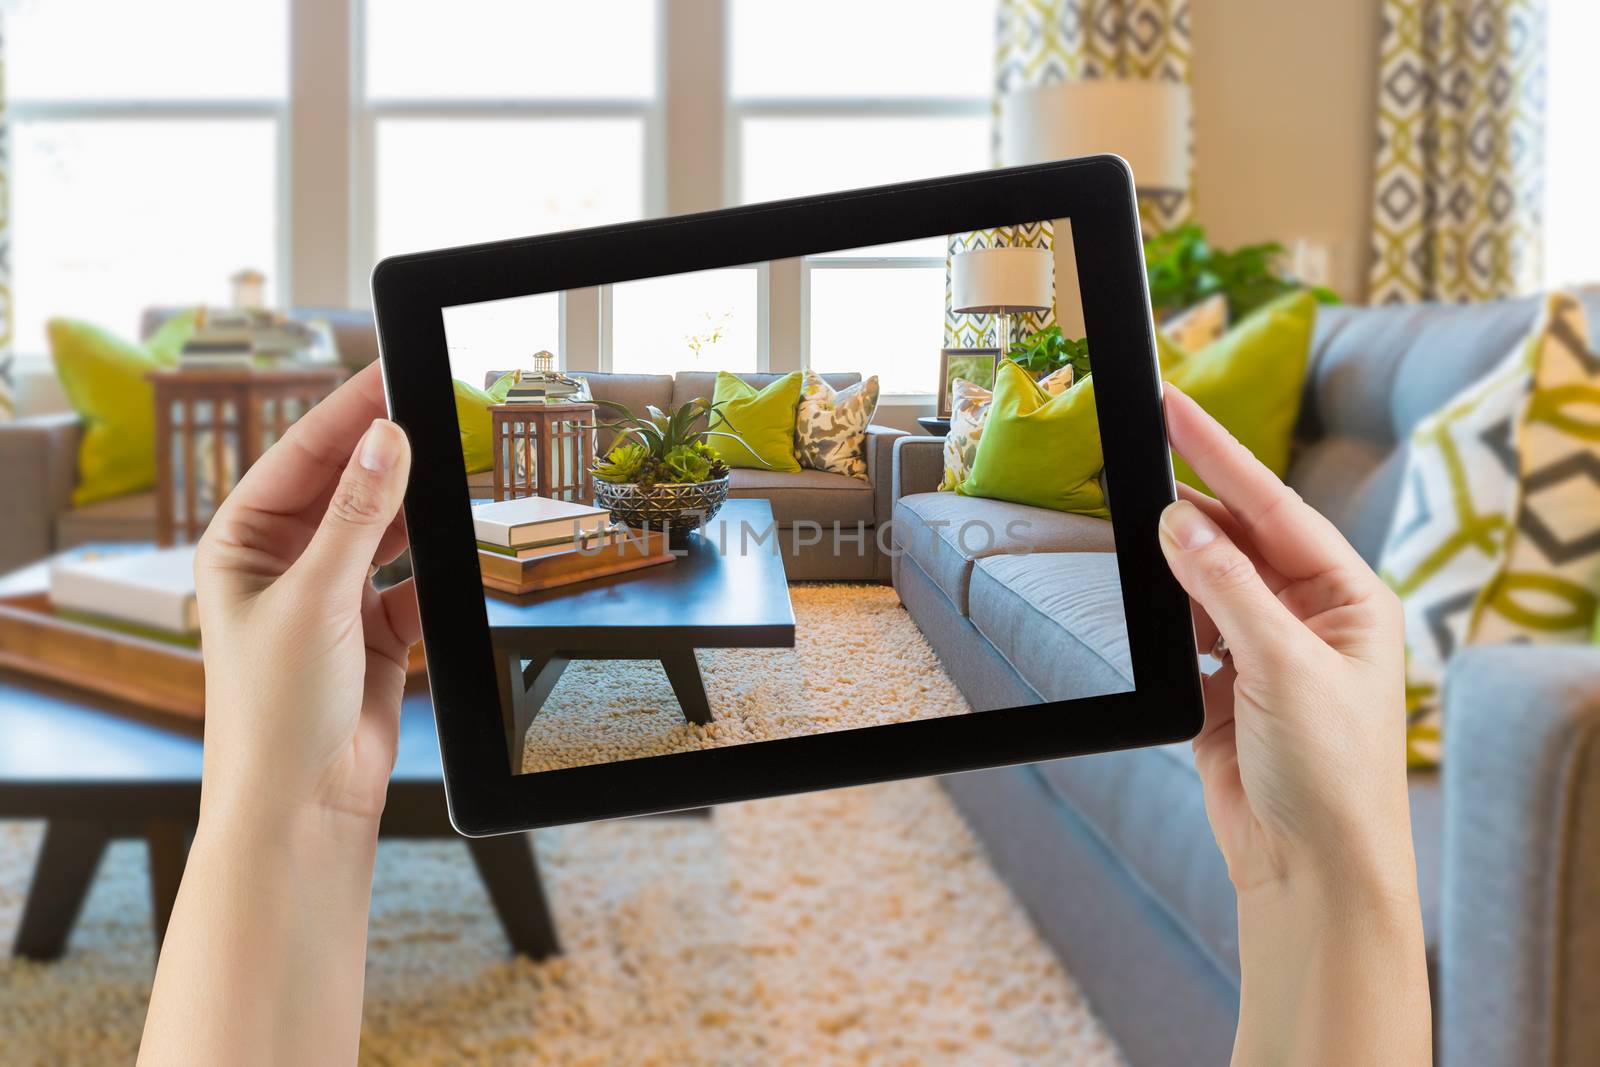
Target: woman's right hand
{"type": "Point", "coordinates": [1302, 759]}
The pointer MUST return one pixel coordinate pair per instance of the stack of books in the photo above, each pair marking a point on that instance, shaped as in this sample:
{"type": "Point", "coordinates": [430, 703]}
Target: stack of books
{"type": "Point", "coordinates": [547, 387]}
{"type": "Point", "coordinates": [149, 593]}
{"type": "Point", "coordinates": [533, 543]}
{"type": "Point", "coordinates": [235, 338]}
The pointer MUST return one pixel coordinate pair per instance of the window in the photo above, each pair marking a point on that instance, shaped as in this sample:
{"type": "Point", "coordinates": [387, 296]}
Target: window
{"type": "Point", "coordinates": [700, 321]}
{"type": "Point", "coordinates": [914, 107]}
{"type": "Point", "coordinates": [1572, 154]}
{"type": "Point", "coordinates": [141, 175]}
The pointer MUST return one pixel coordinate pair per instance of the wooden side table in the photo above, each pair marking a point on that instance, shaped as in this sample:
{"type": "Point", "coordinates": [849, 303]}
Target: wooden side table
{"type": "Point", "coordinates": [542, 450]}
{"type": "Point", "coordinates": [212, 425]}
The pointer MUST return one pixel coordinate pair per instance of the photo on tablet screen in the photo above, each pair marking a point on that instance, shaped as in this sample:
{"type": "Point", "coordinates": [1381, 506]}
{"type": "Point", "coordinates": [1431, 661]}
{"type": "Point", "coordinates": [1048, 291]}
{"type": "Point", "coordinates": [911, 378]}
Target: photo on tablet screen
{"type": "Point", "coordinates": [708, 515]}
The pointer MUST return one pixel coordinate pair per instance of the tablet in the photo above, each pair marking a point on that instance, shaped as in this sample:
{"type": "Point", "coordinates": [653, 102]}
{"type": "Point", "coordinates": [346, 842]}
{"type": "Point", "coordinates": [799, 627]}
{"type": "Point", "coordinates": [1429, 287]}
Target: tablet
{"type": "Point", "coordinates": [664, 561]}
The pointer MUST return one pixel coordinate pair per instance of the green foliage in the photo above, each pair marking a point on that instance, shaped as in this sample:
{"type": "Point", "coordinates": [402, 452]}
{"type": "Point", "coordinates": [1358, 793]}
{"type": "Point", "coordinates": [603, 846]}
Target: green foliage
{"type": "Point", "coordinates": [1185, 268]}
{"type": "Point", "coordinates": [1047, 350]}
{"type": "Point", "coordinates": [663, 446]}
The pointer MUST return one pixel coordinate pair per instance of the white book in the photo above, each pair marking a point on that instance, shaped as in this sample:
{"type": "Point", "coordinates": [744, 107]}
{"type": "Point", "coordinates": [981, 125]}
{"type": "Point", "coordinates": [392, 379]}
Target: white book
{"type": "Point", "coordinates": [149, 588]}
{"type": "Point", "coordinates": [534, 519]}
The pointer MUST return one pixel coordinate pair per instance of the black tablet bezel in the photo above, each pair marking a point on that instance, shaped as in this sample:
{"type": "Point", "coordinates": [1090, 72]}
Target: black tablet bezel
{"type": "Point", "coordinates": [409, 293]}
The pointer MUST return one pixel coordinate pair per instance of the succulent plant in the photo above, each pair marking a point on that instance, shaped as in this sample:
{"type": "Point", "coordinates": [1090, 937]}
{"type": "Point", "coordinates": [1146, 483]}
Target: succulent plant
{"type": "Point", "coordinates": [662, 446]}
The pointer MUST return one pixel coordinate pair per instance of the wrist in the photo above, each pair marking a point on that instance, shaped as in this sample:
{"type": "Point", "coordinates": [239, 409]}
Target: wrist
{"type": "Point", "coordinates": [267, 820]}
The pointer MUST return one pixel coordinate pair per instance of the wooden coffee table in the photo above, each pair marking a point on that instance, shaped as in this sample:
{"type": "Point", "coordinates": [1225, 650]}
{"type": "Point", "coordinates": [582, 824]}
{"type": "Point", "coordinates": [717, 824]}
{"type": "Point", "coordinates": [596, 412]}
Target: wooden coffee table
{"type": "Point", "coordinates": [727, 590]}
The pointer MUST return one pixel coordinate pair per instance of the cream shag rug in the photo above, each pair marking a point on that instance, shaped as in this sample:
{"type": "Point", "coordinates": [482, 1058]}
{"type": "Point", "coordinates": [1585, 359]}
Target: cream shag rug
{"type": "Point", "coordinates": [861, 926]}
{"type": "Point", "coordinates": [858, 660]}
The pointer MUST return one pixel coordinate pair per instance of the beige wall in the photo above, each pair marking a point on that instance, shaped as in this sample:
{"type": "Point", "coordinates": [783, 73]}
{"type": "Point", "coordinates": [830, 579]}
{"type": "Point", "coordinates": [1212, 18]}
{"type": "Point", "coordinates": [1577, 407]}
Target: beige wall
{"type": "Point", "coordinates": [1284, 99]}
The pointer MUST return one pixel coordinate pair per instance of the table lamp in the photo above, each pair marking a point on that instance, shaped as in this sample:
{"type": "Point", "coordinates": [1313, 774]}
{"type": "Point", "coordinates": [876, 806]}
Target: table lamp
{"type": "Point", "coordinates": [1006, 280]}
{"type": "Point", "coordinates": [1144, 122]}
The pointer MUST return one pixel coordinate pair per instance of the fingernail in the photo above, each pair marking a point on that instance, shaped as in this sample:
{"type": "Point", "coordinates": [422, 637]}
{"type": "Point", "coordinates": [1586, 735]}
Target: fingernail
{"type": "Point", "coordinates": [380, 446]}
{"type": "Point", "coordinates": [1187, 526]}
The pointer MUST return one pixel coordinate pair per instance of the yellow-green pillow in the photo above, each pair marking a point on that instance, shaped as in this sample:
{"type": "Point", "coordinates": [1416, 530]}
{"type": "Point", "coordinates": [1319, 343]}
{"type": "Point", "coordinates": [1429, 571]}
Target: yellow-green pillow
{"type": "Point", "coordinates": [1250, 380]}
{"type": "Point", "coordinates": [106, 379]}
{"type": "Point", "coordinates": [764, 419]}
{"type": "Point", "coordinates": [1039, 449]}
{"type": "Point", "coordinates": [472, 416]}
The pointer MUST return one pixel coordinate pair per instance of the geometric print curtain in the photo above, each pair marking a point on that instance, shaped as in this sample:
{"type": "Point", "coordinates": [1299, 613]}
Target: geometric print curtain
{"type": "Point", "coordinates": [1457, 194]}
{"type": "Point", "coordinates": [1041, 42]}
{"type": "Point", "coordinates": [7, 385]}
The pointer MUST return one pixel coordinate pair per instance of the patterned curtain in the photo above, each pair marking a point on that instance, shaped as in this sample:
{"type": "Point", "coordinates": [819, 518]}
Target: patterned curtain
{"type": "Point", "coordinates": [7, 386]}
{"type": "Point", "coordinates": [1040, 42]}
{"type": "Point", "coordinates": [1458, 192]}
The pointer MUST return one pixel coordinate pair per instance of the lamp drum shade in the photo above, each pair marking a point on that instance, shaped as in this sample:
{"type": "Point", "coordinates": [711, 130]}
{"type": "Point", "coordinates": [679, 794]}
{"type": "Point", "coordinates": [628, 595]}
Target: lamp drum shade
{"type": "Point", "coordinates": [1001, 280]}
{"type": "Point", "coordinates": [1144, 122]}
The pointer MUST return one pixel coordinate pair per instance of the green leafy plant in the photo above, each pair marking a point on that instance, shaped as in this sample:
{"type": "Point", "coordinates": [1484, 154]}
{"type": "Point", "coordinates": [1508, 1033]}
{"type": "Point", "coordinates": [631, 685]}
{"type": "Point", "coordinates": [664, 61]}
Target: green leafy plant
{"type": "Point", "coordinates": [1048, 350]}
{"type": "Point", "coordinates": [663, 446]}
{"type": "Point", "coordinates": [1185, 268]}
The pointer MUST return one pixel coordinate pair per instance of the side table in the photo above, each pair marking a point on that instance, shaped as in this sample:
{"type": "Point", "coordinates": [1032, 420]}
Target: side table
{"type": "Point", "coordinates": [934, 426]}
{"type": "Point", "coordinates": [542, 450]}
{"type": "Point", "coordinates": [212, 424]}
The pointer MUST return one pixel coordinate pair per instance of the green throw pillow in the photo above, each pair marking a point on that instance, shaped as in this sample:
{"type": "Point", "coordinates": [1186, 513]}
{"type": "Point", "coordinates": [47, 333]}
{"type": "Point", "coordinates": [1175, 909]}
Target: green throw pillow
{"type": "Point", "coordinates": [1250, 380]}
{"type": "Point", "coordinates": [106, 379]}
{"type": "Point", "coordinates": [1039, 449]}
{"type": "Point", "coordinates": [472, 416]}
{"type": "Point", "coordinates": [764, 419]}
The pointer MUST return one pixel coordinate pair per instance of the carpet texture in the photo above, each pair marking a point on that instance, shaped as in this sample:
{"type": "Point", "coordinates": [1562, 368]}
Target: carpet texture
{"type": "Point", "coordinates": [860, 926]}
{"type": "Point", "coordinates": [858, 660]}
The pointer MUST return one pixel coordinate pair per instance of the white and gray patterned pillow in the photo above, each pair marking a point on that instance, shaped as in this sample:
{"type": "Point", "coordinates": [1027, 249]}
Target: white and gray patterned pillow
{"type": "Point", "coordinates": [830, 429]}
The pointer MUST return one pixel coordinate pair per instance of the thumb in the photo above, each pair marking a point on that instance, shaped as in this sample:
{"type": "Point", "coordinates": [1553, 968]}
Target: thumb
{"type": "Point", "coordinates": [1223, 581]}
{"type": "Point", "coordinates": [363, 505]}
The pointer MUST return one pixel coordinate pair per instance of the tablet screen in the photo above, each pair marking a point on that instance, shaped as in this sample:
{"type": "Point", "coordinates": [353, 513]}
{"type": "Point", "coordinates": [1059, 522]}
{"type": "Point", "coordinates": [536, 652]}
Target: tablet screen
{"type": "Point", "coordinates": [708, 515]}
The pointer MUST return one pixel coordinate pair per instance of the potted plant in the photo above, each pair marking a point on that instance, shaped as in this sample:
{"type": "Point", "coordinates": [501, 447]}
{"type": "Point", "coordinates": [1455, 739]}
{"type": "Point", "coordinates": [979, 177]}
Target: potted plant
{"type": "Point", "coordinates": [1048, 350]}
{"type": "Point", "coordinates": [660, 474]}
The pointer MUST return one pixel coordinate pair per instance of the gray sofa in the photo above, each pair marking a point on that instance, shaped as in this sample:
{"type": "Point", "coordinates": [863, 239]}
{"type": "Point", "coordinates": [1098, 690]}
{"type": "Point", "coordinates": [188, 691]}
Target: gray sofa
{"type": "Point", "coordinates": [1112, 854]}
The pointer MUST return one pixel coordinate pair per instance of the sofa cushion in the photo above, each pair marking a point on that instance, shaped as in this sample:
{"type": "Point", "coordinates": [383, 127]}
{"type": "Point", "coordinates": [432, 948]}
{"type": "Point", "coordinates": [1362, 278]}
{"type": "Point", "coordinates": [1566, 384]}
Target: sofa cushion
{"type": "Point", "coordinates": [1355, 483]}
{"type": "Point", "coordinates": [635, 391]}
{"type": "Point", "coordinates": [945, 532]}
{"type": "Point", "coordinates": [123, 518]}
{"type": "Point", "coordinates": [1146, 806]}
{"type": "Point", "coordinates": [1057, 618]}
{"type": "Point", "coordinates": [806, 496]}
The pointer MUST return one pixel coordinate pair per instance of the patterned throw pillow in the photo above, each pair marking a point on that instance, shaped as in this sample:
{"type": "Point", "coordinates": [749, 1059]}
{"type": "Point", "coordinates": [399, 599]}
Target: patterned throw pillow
{"type": "Point", "coordinates": [1548, 584]}
{"type": "Point", "coordinates": [1497, 533]}
{"type": "Point", "coordinates": [830, 430]}
{"type": "Point", "coordinates": [969, 409]}
{"type": "Point", "coordinates": [1193, 328]}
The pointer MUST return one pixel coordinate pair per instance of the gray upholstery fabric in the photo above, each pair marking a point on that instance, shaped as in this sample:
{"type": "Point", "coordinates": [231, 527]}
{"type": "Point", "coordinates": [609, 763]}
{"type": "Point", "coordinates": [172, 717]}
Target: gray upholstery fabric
{"type": "Point", "coordinates": [945, 532]}
{"type": "Point", "coordinates": [979, 671]}
{"type": "Point", "coordinates": [1057, 618]}
{"type": "Point", "coordinates": [1520, 975]}
{"type": "Point", "coordinates": [38, 471]}
{"type": "Point", "coordinates": [123, 518]}
{"type": "Point", "coordinates": [918, 466]}
{"type": "Point", "coordinates": [353, 329]}
{"type": "Point", "coordinates": [806, 496]}
{"type": "Point", "coordinates": [880, 448]}
{"type": "Point", "coordinates": [1162, 997]}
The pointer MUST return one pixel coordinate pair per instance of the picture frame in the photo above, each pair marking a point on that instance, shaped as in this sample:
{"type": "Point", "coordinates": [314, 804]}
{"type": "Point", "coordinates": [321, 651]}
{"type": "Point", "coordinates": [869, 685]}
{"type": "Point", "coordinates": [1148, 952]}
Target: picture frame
{"type": "Point", "coordinates": [955, 362]}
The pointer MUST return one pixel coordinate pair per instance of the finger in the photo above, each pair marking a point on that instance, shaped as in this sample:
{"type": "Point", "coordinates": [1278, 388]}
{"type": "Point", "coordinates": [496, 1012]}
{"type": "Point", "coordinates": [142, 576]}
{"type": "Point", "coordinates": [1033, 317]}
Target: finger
{"type": "Point", "coordinates": [301, 467]}
{"type": "Point", "coordinates": [1230, 526]}
{"type": "Point", "coordinates": [400, 612]}
{"type": "Point", "coordinates": [359, 513]}
{"type": "Point", "coordinates": [1290, 535]}
{"type": "Point", "coordinates": [1213, 570]}
{"type": "Point", "coordinates": [1205, 631]}
{"type": "Point", "coordinates": [393, 543]}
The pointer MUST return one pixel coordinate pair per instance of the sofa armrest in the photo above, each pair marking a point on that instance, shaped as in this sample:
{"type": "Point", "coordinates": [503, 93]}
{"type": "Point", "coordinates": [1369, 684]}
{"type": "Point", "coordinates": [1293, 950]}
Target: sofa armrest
{"type": "Point", "coordinates": [38, 471]}
{"type": "Point", "coordinates": [1519, 965]}
{"type": "Point", "coordinates": [918, 466]}
{"type": "Point", "coordinates": [880, 468]}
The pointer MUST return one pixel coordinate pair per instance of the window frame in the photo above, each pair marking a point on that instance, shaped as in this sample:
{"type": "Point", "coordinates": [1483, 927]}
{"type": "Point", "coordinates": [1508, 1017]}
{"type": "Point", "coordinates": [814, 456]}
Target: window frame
{"type": "Point", "coordinates": [326, 171]}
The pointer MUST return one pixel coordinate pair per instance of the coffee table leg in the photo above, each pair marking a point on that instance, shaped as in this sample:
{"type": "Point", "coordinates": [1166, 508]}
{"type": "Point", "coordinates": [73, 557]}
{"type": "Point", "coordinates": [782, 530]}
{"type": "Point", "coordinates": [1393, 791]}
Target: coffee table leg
{"type": "Point", "coordinates": [67, 861]}
{"type": "Point", "coordinates": [510, 873]}
{"type": "Point", "coordinates": [168, 845]}
{"type": "Point", "coordinates": [683, 671]}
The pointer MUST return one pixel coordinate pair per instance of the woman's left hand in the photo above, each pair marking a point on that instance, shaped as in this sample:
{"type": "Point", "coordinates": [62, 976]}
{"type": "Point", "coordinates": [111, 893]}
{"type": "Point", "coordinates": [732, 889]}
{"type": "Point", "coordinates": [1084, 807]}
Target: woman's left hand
{"type": "Point", "coordinates": [305, 659]}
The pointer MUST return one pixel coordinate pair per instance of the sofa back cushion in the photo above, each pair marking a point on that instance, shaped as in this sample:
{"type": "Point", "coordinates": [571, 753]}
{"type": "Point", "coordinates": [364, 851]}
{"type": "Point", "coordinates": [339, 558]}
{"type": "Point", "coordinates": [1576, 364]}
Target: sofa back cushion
{"type": "Point", "coordinates": [688, 384]}
{"type": "Point", "coordinates": [1375, 373]}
